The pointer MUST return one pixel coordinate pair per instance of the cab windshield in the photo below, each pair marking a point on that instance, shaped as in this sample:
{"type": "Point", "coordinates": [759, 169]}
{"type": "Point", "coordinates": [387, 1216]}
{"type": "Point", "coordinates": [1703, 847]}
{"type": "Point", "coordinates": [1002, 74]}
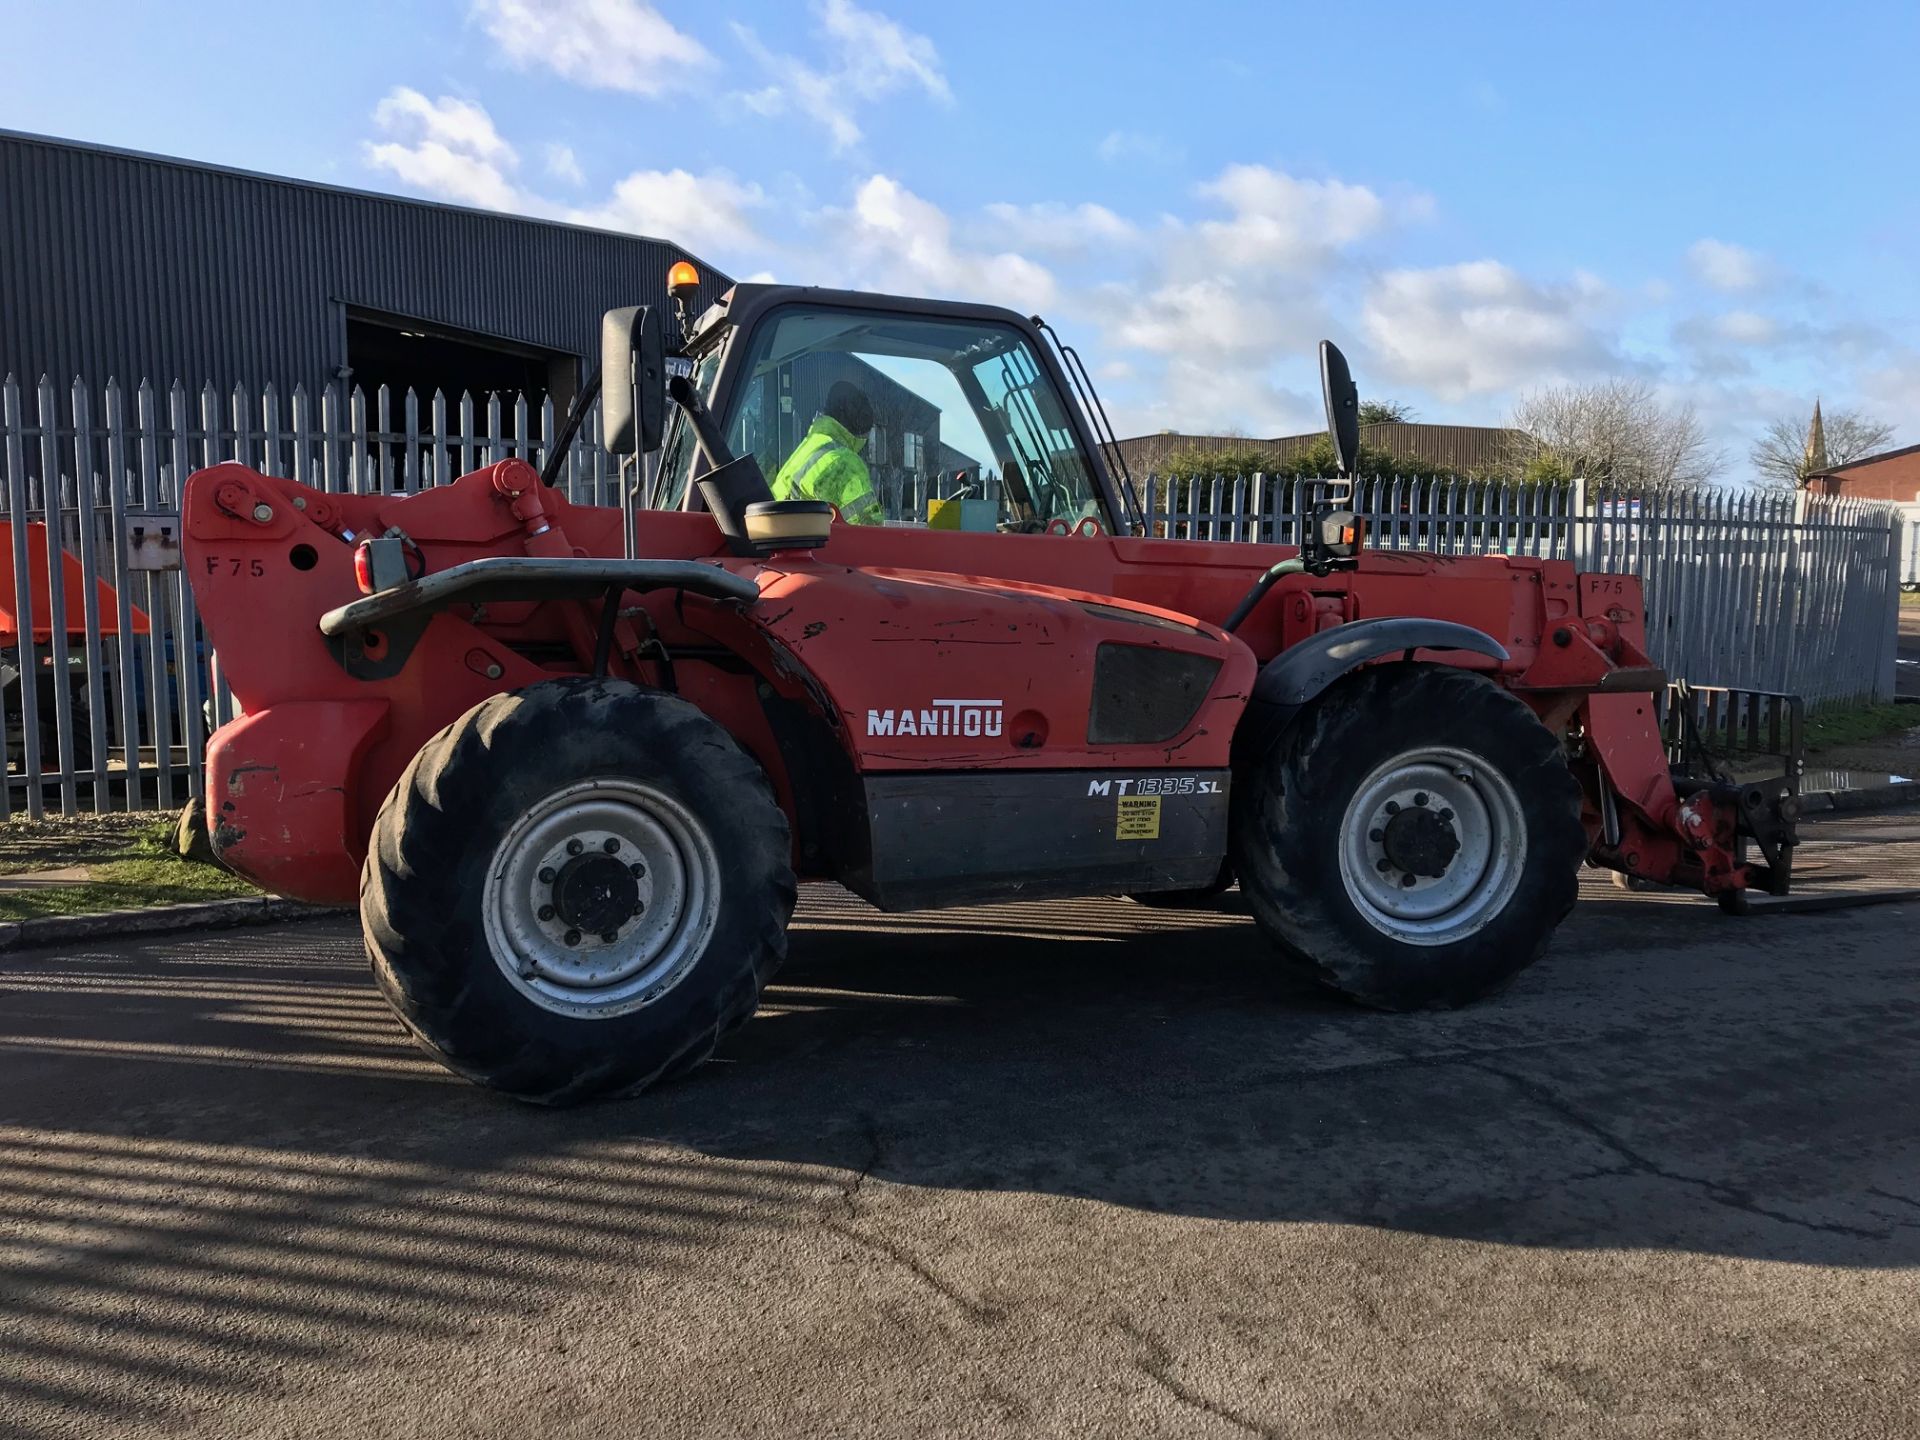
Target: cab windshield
{"type": "Point", "coordinates": [900, 420]}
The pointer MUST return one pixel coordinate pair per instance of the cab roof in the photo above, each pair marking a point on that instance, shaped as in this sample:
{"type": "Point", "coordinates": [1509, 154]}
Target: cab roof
{"type": "Point", "coordinates": [746, 302]}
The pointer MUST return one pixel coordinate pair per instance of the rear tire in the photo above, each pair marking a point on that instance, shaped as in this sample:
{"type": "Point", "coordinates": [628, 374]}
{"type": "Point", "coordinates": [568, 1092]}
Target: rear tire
{"type": "Point", "coordinates": [576, 889]}
{"type": "Point", "coordinates": [1413, 838]}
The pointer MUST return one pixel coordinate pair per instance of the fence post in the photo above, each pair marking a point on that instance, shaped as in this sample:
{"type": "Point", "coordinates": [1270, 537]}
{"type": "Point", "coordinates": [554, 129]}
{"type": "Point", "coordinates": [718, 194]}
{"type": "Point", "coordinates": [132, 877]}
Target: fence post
{"type": "Point", "coordinates": [1887, 683]}
{"type": "Point", "coordinates": [271, 446]}
{"type": "Point", "coordinates": [410, 461]}
{"type": "Point", "coordinates": [55, 510]}
{"type": "Point", "coordinates": [86, 505]}
{"type": "Point", "coordinates": [359, 471]}
{"type": "Point", "coordinates": [438, 425]}
{"type": "Point", "coordinates": [158, 611]}
{"type": "Point", "coordinates": [17, 509]}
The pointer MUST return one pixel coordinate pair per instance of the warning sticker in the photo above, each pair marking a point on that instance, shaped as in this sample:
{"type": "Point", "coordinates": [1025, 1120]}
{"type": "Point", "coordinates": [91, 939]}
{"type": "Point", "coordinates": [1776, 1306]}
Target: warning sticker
{"type": "Point", "coordinates": [1139, 817]}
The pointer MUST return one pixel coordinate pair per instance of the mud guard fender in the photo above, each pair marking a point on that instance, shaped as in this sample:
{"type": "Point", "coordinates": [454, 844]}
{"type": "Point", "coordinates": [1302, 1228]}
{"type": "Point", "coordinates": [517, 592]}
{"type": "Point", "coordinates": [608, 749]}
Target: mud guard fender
{"type": "Point", "coordinates": [1295, 677]}
{"type": "Point", "coordinates": [279, 788]}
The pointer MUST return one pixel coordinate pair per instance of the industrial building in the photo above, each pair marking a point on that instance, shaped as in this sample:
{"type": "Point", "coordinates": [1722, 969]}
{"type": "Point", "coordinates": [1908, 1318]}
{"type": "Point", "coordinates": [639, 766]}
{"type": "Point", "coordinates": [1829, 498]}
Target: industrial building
{"type": "Point", "coordinates": [131, 266]}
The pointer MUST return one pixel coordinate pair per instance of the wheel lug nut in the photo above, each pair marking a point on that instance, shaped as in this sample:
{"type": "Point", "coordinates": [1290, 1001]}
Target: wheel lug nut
{"type": "Point", "coordinates": [1383, 864]}
{"type": "Point", "coordinates": [1446, 814]}
{"type": "Point", "coordinates": [575, 846]}
{"type": "Point", "coordinates": [573, 937]}
{"type": "Point", "coordinates": [1420, 797]}
{"type": "Point", "coordinates": [546, 912]}
{"type": "Point", "coordinates": [609, 936]}
{"type": "Point", "coordinates": [637, 869]}
{"type": "Point", "coordinates": [610, 845]}
{"type": "Point", "coordinates": [1393, 807]}
{"type": "Point", "coordinates": [1406, 879]}
{"type": "Point", "coordinates": [1376, 835]}
{"type": "Point", "coordinates": [546, 875]}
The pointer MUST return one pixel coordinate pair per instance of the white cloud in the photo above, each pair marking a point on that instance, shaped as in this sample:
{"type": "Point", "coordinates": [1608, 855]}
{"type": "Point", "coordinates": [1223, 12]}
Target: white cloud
{"type": "Point", "coordinates": [710, 214]}
{"type": "Point", "coordinates": [897, 240]}
{"type": "Point", "coordinates": [1202, 316]}
{"type": "Point", "coordinates": [603, 44]}
{"type": "Point", "coordinates": [446, 174]}
{"type": "Point", "coordinates": [1277, 220]}
{"type": "Point", "coordinates": [1070, 230]}
{"type": "Point", "coordinates": [880, 56]}
{"type": "Point", "coordinates": [1892, 392]}
{"type": "Point", "coordinates": [1130, 147]}
{"type": "Point", "coordinates": [1222, 311]}
{"type": "Point", "coordinates": [1481, 327]}
{"type": "Point", "coordinates": [563, 164]}
{"type": "Point", "coordinates": [871, 58]}
{"type": "Point", "coordinates": [447, 148]}
{"type": "Point", "coordinates": [1211, 353]}
{"type": "Point", "coordinates": [456, 124]}
{"type": "Point", "coordinates": [1727, 267]}
{"type": "Point", "coordinates": [1745, 327]}
{"type": "Point", "coordinates": [1202, 320]}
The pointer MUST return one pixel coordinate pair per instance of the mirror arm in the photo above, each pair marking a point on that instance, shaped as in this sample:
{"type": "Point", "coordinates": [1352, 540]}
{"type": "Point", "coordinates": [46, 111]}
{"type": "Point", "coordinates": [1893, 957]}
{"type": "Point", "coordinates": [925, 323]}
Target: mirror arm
{"type": "Point", "coordinates": [563, 442]}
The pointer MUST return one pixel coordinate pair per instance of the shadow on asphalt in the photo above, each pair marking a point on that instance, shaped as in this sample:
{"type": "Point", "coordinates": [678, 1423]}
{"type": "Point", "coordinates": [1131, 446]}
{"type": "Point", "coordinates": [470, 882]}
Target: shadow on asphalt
{"type": "Point", "coordinates": [220, 1154]}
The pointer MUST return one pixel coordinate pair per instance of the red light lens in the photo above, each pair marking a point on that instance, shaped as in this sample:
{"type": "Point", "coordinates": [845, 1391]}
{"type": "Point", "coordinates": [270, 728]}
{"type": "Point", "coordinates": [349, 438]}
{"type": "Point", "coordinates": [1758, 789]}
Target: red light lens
{"type": "Point", "coordinates": [363, 568]}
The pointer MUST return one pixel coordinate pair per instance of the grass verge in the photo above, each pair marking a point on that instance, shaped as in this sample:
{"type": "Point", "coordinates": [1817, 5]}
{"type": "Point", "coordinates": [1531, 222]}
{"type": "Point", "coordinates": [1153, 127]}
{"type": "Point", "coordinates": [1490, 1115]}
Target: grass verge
{"type": "Point", "coordinates": [1858, 724]}
{"type": "Point", "coordinates": [130, 863]}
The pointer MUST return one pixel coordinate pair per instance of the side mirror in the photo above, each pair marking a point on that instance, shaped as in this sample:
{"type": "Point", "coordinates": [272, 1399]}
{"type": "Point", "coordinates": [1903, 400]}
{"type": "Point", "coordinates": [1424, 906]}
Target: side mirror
{"type": "Point", "coordinates": [633, 384]}
{"type": "Point", "coordinates": [1343, 406]}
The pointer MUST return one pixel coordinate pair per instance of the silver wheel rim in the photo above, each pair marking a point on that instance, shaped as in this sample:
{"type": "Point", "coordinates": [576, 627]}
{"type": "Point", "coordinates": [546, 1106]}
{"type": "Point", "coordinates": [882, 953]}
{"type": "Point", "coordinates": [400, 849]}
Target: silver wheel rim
{"type": "Point", "coordinates": [534, 903]}
{"type": "Point", "coordinates": [1425, 795]}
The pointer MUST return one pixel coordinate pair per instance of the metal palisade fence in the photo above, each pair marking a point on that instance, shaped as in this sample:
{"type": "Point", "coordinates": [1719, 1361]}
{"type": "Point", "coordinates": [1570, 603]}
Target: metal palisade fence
{"type": "Point", "coordinates": [1753, 589]}
{"type": "Point", "coordinates": [111, 688]}
{"type": "Point", "coordinates": [1909, 547]}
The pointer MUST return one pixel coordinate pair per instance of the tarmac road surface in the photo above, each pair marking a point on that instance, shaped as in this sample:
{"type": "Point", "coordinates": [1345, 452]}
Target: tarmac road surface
{"type": "Point", "coordinates": [1053, 1169]}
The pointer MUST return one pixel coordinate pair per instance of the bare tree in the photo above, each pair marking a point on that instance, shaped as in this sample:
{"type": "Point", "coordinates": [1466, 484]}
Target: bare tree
{"type": "Point", "coordinates": [1780, 454]}
{"type": "Point", "coordinates": [1614, 432]}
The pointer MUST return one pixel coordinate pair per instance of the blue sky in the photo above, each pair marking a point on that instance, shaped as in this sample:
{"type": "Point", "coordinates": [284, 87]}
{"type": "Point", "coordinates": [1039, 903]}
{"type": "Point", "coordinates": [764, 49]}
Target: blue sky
{"type": "Point", "coordinates": [1721, 200]}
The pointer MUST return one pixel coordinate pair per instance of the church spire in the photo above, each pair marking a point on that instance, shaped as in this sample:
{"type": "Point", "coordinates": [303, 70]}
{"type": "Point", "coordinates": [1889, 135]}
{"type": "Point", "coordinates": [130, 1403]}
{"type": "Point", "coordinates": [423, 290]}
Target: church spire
{"type": "Point", "coordinates": [1816, 456]}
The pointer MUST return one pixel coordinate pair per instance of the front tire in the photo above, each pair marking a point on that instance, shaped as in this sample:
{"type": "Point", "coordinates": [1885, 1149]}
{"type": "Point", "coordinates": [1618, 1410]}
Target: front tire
{"type": "Point", "coordinates": [1413, 838]}
{"type": "Point", "coordinates": [576, 889]}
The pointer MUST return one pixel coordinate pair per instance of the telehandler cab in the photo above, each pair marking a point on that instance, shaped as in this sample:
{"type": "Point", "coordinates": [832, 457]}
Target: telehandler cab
{"type": "Point", "coordinates": [570, 760]}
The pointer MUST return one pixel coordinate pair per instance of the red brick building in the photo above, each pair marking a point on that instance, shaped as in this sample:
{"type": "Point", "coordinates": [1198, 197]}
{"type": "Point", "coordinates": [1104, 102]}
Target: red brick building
{"type": "Point", "coordinates": [1894, 475]}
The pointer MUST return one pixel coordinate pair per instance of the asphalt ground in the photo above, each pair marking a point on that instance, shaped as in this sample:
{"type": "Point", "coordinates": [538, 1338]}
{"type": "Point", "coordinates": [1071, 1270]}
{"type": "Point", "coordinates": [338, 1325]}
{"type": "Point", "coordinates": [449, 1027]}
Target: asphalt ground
{"type": "Point", "coordinates": [1052, 1169]}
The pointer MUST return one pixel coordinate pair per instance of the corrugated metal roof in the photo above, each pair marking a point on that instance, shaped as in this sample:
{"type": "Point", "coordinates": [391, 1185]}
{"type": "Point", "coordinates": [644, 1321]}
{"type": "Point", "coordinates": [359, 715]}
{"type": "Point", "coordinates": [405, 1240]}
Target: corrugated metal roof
{"type": "Point", "coordinates": [141, 266]}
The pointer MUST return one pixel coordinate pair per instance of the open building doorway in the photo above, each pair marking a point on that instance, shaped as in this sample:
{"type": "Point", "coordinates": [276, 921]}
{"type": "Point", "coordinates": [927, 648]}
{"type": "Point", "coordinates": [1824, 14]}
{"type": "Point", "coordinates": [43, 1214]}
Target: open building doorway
{"type": "Point", "coordinates": [406, 354]}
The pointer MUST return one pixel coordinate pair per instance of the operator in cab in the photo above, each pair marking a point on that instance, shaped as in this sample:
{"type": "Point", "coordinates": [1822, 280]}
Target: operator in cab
{"type": "Point", "coordinates": [826, 464]}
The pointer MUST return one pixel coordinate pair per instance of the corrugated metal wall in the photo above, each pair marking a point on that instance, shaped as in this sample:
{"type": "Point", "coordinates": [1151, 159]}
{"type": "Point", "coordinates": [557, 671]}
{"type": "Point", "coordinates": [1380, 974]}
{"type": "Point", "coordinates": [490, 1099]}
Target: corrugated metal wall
{"type": "Point", "coordinates": [139, 267]}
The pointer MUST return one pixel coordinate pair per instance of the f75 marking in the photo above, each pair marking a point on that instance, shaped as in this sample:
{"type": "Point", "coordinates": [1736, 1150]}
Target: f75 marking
{"type": "Point", "coordinates": [247, 567]}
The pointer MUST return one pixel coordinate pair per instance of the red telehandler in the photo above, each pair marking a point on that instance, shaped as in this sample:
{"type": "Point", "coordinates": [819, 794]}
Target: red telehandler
{"type": "Point", "coordinates": [570, 761]}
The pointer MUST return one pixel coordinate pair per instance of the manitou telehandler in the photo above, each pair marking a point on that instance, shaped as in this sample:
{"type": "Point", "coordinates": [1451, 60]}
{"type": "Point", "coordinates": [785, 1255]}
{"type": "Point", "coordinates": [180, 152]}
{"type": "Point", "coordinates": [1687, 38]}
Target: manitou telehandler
{"type": "Point", "coordinates": [569, 760]}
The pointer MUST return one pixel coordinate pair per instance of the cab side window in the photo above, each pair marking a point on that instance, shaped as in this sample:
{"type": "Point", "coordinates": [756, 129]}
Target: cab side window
{"type": "Point", "coordinates": [901, 420]}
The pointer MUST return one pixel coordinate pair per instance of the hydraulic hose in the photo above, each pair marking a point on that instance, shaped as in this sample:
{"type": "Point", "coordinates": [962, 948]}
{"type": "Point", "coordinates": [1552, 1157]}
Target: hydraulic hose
{"type": "Point", "coordinates": [1294, 565]}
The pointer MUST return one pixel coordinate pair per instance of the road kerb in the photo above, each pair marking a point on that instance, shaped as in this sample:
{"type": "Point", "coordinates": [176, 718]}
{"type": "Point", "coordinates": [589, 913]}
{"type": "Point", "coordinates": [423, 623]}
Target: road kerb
{"type": "Point", "coordinates": [154, 920]}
